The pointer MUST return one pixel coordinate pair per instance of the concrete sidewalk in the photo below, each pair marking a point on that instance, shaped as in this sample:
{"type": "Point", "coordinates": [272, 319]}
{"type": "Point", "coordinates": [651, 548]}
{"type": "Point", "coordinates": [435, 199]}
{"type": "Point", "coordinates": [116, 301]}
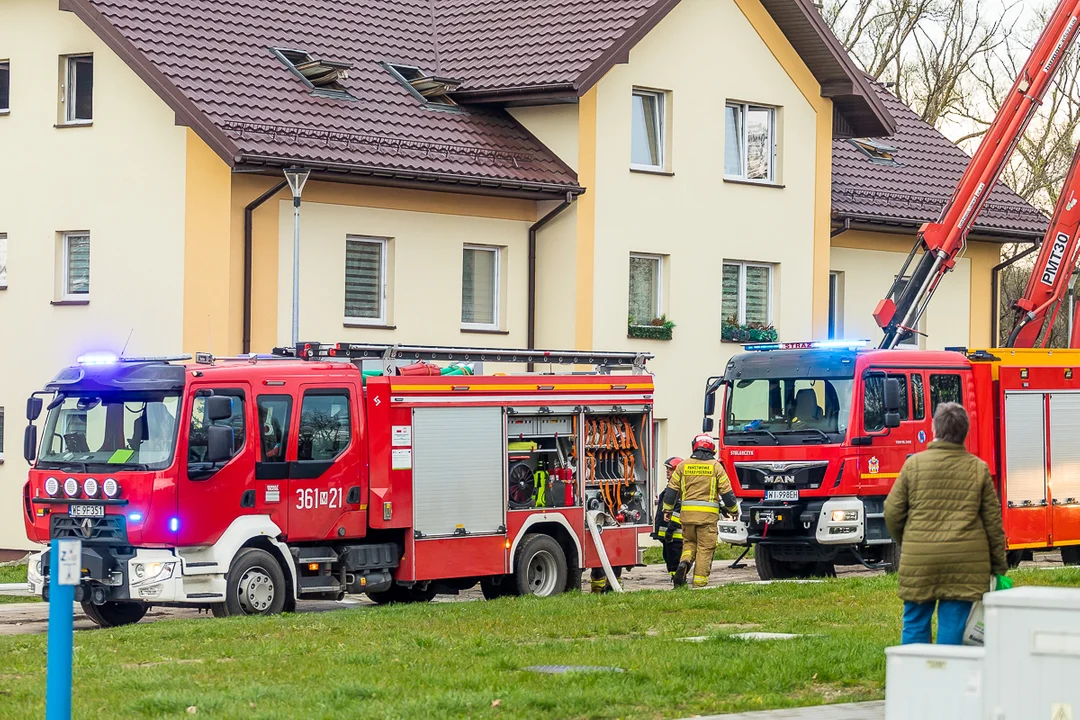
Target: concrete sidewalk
{"type": "Point", "coordinates": [851, 711]}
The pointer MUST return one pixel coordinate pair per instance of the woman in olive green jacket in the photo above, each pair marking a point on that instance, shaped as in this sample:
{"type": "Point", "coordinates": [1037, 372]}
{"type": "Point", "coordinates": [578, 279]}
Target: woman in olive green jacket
{"type": "Point", "coordinates": [944, 513]}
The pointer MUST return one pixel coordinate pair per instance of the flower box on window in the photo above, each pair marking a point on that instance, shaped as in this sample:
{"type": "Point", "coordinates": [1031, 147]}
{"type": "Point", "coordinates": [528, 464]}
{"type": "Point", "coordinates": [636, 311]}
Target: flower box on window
{"type": "Point", "coordinates": [658, 329]}
{"type": "Point", "coordinates": [748, 332]}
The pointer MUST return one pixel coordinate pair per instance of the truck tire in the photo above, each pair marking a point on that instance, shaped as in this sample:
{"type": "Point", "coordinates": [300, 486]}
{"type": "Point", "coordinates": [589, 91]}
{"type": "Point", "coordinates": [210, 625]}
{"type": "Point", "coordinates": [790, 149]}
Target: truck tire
{"type": "Point", "coordinates": [1015, 557]}
{"type": "Point", "coordinates": [891, 555]}
{"type": "Point", "coordinates": [115, 614]}
{"type": "Point", "coordinates": [540, 568]}
{"type": "Point", "coordinates": [254, 585]}
{"type": "Point", "coordinates": [1070, 554]}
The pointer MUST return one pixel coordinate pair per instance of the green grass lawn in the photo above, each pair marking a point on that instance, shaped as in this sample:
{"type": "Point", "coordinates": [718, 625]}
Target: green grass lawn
{"type": "Point", "coordinates": [14, 574]}
{"type": "Point", "coordinates": [469, 659]}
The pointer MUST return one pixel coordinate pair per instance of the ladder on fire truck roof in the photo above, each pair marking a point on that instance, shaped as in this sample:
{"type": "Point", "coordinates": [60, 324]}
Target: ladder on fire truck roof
{"type": "Point", "coordinates": [603, 362]}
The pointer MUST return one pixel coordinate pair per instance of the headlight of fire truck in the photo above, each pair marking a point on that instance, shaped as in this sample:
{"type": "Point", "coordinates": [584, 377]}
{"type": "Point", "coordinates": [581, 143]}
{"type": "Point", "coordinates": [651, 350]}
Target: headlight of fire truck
{"type": "Point", "coordinates": [841, 522]}
{"type": "Point", "coordinates": [111, 488]}
{"type": "Point", "coordinates": [52, 487]}
{"type": "Point", "coordinates": [151, 573]}
{"type": "Point", "coordinates": [91, 487]}
{"type": "Point", "coordinates": [71, 487]}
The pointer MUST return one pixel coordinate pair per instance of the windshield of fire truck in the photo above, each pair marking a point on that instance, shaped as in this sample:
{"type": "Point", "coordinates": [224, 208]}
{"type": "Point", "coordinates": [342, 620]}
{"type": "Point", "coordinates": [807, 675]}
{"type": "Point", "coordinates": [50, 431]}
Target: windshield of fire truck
{"type": "Point", "coordinates": [789, 410]}
{"type": "Point", "coordinates": [115, 431]}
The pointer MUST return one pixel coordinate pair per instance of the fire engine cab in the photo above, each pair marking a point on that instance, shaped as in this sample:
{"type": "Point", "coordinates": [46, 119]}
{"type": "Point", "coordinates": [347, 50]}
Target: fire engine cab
{"type": "Point", "coordinates": [243, 485]}
{"type": "Point", "coordinates": [814, 435]}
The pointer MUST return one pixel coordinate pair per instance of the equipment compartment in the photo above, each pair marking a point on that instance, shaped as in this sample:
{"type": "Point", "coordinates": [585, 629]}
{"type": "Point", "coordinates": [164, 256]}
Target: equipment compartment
{"type": "Point", "coordinates": [616, 465]}
{"type": "Point", "coordinates": [542, 463]}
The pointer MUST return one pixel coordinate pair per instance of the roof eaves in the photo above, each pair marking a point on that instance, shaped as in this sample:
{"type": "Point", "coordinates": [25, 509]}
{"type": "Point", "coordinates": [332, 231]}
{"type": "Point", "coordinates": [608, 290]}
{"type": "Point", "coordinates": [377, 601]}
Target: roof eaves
{"type": "Point", "coordinates": [185, 109]}
{"type": "Point", "coordinates": [387, 176]}
{"type": "Point", "coordinates": [866, 221]}
{"type": "Point", "coordinates": [619, 51]}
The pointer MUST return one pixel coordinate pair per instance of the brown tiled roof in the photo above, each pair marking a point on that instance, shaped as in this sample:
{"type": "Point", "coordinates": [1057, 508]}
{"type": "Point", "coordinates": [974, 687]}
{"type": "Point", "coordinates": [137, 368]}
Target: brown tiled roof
{"type": "Point", "coordinates": [211, 60]}
{"type": "Point", "coordinates": [915, 192]}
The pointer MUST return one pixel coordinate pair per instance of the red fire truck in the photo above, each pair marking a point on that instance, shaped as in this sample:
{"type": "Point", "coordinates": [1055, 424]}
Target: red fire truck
{"type": "Point", "coordinates": [814, 434]}
{"type": "Point", "coordinates": [243, 485]}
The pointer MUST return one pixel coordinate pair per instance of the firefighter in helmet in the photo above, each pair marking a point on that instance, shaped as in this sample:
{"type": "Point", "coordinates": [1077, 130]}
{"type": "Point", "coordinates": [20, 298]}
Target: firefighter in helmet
{"type": "Point", "coordinates": [669, 532]}
{"type": "Point", "coordinates": [703, 488]}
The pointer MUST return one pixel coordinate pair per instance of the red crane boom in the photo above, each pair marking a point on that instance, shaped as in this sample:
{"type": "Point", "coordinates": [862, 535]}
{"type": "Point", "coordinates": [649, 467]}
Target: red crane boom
{"type": "Point", "coordinates": [944, 241]}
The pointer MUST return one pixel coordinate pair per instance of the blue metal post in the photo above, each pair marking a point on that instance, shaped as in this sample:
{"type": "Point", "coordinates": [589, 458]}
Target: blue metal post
{"type": "Point", "coordinates": [61, 634]}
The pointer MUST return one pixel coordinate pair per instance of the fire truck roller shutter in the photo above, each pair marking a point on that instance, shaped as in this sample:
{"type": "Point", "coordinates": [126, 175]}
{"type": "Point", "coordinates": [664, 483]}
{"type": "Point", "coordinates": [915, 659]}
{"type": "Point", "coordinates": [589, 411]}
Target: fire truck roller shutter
{"type": "Point", "coordinates": [458, 459]}
{"type": "Point", "coordinates": [1065, 451]}
{"type": "Point", "coordinates": [1025, 449]}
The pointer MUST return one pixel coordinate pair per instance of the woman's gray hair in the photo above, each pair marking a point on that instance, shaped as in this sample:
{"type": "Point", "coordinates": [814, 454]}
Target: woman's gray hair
{"type": "Point", "coordinates": [951, 423]}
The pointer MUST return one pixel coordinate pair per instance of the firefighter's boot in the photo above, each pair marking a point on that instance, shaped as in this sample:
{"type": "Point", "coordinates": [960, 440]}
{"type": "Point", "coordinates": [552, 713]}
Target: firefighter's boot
{"type": "Point", "coordinates": [598, 581]}
{"type": "Point", "coordinates": [679, 579]}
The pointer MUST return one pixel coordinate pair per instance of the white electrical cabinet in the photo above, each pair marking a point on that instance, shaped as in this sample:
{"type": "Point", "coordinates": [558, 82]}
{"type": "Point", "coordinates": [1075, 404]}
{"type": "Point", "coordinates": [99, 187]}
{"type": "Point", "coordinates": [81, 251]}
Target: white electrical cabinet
{"type": "Point", "coordinates": [933, 682]}
{"type": "Point", "coordinates": [1032, 666]}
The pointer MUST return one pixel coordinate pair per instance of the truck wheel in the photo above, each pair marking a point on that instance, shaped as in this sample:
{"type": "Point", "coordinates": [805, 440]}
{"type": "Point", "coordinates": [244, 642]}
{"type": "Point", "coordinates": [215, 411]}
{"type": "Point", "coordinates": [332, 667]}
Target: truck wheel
{"type": "Point", "coordinates": [115, 614]}
{"type": "Point", "coordinates": [768, 567]}
{"type": "Point", "coordinates": [1015, 557]}
{"type": "Point", "coordinates": [1070, 555]}
{"type": "Point", "coordinates": [254, 585]}
{"type": "Point", "coordinates": [497, 586]}
{"type": "Point", "coordinates": [541, 566]}
{"type": "Point", "coordinates": [891, 555]}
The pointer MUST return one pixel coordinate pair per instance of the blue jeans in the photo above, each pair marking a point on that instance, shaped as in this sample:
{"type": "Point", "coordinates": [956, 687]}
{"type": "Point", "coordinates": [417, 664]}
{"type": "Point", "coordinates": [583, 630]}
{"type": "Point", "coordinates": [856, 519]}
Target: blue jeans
{"type": "Point", "coordinates": [952, 616]}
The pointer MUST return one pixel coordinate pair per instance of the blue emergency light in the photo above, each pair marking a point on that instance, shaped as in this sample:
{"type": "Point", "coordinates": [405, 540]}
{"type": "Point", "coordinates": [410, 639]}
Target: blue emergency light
{"type": "Point", "coordinates": [97, 358]}
{"type": "Point", "coordinates": [811, 345]}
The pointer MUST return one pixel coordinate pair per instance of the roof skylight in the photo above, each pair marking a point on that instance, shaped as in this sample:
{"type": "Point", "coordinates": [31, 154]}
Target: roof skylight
{"type": "Point", "coordinates": [878, 152]}
{"type": "Point", "coordinates": [322, 76]}
{"type": "Point", "coordinates": [429, 89]}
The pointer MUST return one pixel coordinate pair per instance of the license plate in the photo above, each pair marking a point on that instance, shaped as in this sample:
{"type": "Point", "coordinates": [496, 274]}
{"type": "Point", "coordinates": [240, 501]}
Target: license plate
{"type": "Point", "coordinates": [87, 511]}
{"type": "Point", "coordinates": [790, 495]}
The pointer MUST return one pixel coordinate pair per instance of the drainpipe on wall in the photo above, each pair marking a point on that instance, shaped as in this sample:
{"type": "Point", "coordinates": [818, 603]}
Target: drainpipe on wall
{"type": "Point", "coordinates": [533, 230]}
{"type": "Point", "coordinates": [995, 292]}
{"type": "Point", "coordinates": [249, 212]}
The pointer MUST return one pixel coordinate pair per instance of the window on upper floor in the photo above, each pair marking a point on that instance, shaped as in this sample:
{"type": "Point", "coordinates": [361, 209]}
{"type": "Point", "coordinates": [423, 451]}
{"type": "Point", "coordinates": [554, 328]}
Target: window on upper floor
{"type": "Point", "coordinates": [3, 261]}
{"type": "Point", "coordinates": [74, 266]}
{"type": "Point", "coordinates": [648, 130]}
{"type": "Point", "coordinates": [5, 86]}
{"type": "Point", "coordinates": [750, 143]}
{"type": "Point", "coordinates": [480, 288]}
{"type": "Point", "coordinates": [77, 92]}
{"type": "Point", "coordinates": [646, 273]}
{"type": "Point", "coordinates": [365, 280]}
{"type": "Point", "coordinates": [746, 293]}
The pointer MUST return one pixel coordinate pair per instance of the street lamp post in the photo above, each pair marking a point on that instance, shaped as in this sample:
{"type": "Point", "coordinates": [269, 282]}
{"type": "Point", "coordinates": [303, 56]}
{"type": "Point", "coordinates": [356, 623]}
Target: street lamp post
{"type": "Point", "coordinates": [297, 178]}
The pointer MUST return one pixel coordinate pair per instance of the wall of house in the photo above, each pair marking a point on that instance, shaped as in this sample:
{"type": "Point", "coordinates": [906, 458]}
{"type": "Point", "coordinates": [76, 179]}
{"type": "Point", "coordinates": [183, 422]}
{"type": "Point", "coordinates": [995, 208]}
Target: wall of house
{"type": "Point", "coordinates": [959, 314]}
{"type": "Point", "coordinates": [427, 233]}
{"type": "Point", "coordinates": [121, 179]}
{"type": "Point", "coordinates": [690, 215]}
{"type": "Point", "coordinates": [554, 125]}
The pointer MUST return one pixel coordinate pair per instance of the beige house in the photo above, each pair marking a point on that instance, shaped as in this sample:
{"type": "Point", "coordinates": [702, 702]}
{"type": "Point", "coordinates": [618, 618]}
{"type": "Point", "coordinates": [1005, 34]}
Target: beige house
{"type": "Point", "coordinates": [486, 175]}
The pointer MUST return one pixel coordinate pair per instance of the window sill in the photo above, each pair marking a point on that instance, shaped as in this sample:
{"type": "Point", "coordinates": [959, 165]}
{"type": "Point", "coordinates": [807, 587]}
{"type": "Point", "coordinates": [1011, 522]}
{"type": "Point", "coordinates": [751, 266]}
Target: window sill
{"type": "Point", "coordinates": [70, 302]}
{"type": "Point", "coordinates": [2, 114]}
{"type": "Point", "coordinates": [757, 183]}
{"type": "Point", "coordinates": [79, 124]}
{"type": "Point", "coordinates": [651, 171]}
{"type": "Point", "coordinates": [368, 325]}
{"type": "Point", "coordinates": [484, 331]}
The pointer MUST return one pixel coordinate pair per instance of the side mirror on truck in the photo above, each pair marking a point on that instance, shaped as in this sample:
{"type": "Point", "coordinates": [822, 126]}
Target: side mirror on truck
{"type": "Point", "coordinates": [219, 443]}
{"type": "Point", "coordinates": [30, 443]}
{"type": "Point", "coordinates": [33, 408]}
{"type": "Point", "coordinates": [218, 407]}
{"type": "Point", "coordinates": [892, 402]}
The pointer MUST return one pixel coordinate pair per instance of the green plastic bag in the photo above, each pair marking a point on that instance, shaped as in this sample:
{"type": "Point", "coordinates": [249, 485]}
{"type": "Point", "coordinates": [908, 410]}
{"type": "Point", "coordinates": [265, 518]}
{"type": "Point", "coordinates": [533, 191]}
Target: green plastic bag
{"type": "Point", "coordinates": [1002, 583]}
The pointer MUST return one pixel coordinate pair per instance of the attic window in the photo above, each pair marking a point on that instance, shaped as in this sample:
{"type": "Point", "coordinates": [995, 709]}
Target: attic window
{"type": "Point", "coordinates": [322, 76]}
{"type": "Point", "coordinates": [430, 89]}
{"type": "Point", "coordinates": [878, 152]}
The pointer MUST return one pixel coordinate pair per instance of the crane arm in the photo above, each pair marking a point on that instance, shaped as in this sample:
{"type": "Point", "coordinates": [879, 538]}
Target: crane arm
{"type": "Point", "coordinates": [1049, 281]}
{"type": "Point", "coordinates": [942, 242]}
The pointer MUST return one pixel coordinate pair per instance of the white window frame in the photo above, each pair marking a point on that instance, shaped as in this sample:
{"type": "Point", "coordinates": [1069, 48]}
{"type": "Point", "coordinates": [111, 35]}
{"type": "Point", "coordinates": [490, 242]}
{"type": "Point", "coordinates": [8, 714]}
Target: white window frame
{"type": "Point", "coordinates": [3, 261]}
{"type": "Point", "coordinates": [497, 287]}
{"type": "Point", "coordinates": [742, 288]}
{"type": "Point", "coordinates": [3, 429]}
{"type": "Point", "coordinates": [383, 271]}
{"type": "Point", "coordinates": [6, 108]}
{"type": "Point", "coordinates": [834, 309]}
{"type": "Point", "coordinates": [745, 108]}
{"type": "Point", "coordinates": [659, 259]}
{"type": "Point", "coordinates": [661, 130]}
{"type": "Point", "coordinates": [66, 267]}
{"type": "Point", "coordinates": [69, 90]}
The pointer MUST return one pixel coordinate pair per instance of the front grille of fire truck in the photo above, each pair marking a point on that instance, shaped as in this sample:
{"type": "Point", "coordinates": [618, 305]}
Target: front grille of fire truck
{"type": "Point", "coordinates": [778, 476]}
{"type": "Point", "coordinates": [111, 529]}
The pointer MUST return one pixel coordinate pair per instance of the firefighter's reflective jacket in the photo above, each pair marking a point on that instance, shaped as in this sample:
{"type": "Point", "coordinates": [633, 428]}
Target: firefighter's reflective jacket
{"type": "Point", "coordinates": [700, 483]}
{"type": "Point", "coordinates": [675, 525]}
